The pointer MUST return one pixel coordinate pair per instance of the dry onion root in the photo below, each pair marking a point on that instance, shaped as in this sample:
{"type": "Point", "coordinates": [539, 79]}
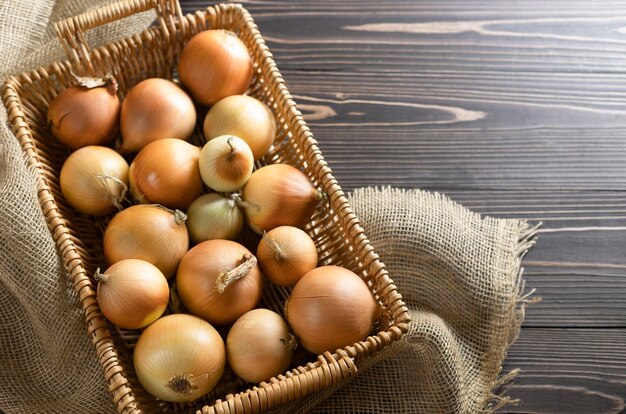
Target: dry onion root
{"type": "Point", "coordinates": [259, 345]}
{"type": "Point", "coordinates": [330, 308]}
{"type": "Point", "coordinates": [94, 180]}
{"type": "Point", "coordinates": [85, 114]}
{"type": "Point", "coordinates": [219, 281]}
{"type": "Point", "coordinates": [179, 358]}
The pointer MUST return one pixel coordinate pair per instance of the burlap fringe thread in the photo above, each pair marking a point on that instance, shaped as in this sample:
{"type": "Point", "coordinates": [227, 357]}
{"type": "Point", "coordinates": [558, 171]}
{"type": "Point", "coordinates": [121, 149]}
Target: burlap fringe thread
{"type": "Point", "coordinates": [499, 398]}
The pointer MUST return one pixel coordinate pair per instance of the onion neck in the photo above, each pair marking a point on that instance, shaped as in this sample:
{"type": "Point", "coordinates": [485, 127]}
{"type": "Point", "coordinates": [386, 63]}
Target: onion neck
{"type": "Point", "coordinates": [179, 216]}
{"type": "Point", "coordinates": [226, 278]}
{"type": "Point", "coordinates": [99, 277]}
{"type": "Point", "coordinates": [243, 204]}
{"type": "Point", "coordinates": [108, 81]}
{"type": "Point", "coordinates": [233, 152]}
{"type": "Point", "coordinates": [279, 255]}
{"type": "Point", "coordinates": [116, 200]}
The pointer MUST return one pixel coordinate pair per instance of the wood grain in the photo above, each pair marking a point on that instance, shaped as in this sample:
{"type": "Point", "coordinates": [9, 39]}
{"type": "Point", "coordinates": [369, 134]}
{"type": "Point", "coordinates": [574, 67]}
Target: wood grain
{"type": "Point", "coordinates": [569, 371]}
{"type": "Point", "coordinates": [514, 109]}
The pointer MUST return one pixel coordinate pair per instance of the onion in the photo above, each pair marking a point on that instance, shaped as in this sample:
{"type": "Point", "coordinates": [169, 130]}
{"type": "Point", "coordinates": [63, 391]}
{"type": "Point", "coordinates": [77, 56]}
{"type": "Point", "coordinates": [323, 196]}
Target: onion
{"type": "Point", "coordinates": [155, 108]}
{"type": "Point", "coordinates": [86, 114]}
{"type": "Point", "coordinates": [219, 281]}
{"type": "Point", "coordinates": [179, 358]}
{"type": "Point", "coordinates": [259, 345]}
{"type": "Point", "coordinates": [214, 216]}
{"type": "Point", "coordinates": [330, 308]}
{"type": "Point", "coordinates": [166, 172]}
{"type": "Point", "coordinates": [279, 195]}
{"type": "Point", "coordinates": [215, 64]}
{"type": "Point", "coordinates": [226, 163]}
{"type": "Point", "coordinates": [94, 180]}
{"type": "Point", "coordinates": [286, 254]}
{"type": "Point", "coordinates": [147, 232]}
{"type": "Point", "coordinates": [245, 117]}
{"type": "Point", "coordinates": [132, 293]}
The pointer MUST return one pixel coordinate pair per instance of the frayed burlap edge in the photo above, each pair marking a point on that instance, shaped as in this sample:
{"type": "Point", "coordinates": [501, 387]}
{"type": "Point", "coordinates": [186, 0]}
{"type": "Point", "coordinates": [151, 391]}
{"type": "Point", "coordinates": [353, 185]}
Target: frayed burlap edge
{"type": "Point", "coordinates": [498, 398]}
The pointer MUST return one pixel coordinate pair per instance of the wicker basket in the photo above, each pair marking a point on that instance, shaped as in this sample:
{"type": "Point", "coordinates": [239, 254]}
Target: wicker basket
{"type": "Point", "coordinates": [334, 228]}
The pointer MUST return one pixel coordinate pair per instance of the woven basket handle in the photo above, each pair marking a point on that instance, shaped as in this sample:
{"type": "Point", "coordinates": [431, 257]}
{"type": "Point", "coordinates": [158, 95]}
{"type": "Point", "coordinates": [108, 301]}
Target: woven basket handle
{"type": "Point", "coordinates": [71, 31]}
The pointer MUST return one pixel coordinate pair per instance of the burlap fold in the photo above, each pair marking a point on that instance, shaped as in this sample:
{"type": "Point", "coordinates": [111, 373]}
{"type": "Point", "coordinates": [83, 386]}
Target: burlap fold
{"type": "Point", "coordinates": [459, 274]}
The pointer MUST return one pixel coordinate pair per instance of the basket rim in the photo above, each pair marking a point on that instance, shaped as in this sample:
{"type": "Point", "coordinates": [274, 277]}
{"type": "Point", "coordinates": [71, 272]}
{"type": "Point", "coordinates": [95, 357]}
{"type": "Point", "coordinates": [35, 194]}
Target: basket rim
{"type": "Point", "coordinates": [121, 392]}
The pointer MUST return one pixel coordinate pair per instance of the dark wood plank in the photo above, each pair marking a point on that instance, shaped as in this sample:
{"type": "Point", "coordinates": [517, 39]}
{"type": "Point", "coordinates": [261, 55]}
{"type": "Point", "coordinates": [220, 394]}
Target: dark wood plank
{"type": "Point", "coordinates": [452, 132]}
{"type": "Point", "coordinates": [414, 36]}
{"type": "Point", "coordinates": [569, 371]}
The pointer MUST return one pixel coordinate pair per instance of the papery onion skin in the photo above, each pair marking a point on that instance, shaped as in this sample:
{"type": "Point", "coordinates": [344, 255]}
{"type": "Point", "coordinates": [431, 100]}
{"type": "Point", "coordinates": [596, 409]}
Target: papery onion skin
{"type": "Point", "coordinates": [279, 195]}
{"type": "Point", "coordinates": [245, 117]}
{"type": "Point", "coordinates": [286, 254]}
{"type": "Point", "coordinates": [214, 216]}
{"type": "Point", "coordinates": [81, 116]}
{"type": "Point", "coordinates": [153, 109]}
{"type": "Point", "coordinates": [259, 345]}
{"type": "Point", "coordinates": [166, 172]}
{"type": "Point", "coordinates": [330, 308]}
{"type": "Point", "coordinates": [147, 232]}
{"type": "Point", "coordinates": [226, 163]}
{"type": "Point", "coordinates": [179, 358]}
{"type": "Point", "coordinates": [196, 282]}
{"type": "Point", "coordinates": [94, 180]}
{"type": "Point", "coordinates": [215, 64]}
{"type": "Point", "coordinates": [132, 293]}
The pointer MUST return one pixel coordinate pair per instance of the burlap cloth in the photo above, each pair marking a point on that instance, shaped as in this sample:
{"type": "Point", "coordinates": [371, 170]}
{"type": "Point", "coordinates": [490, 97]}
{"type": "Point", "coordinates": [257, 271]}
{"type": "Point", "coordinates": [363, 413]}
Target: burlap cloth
{"type": "Point", "coordinates": [459, 273]}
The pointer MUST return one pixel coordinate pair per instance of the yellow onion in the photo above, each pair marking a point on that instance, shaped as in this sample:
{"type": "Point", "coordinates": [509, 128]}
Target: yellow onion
{"type": "Point", "coordinates": [259, 345]}
{"type": "Point", "coordinates": [286, 254]}
{"type": "Point", "coordinates": [279, 195]}
{"type": "Point", "coordinates": [166, 172]}
{"type": "Point", "coordinates": [245, 117]}
{"type": "Point", "coordinates": [94, 180]}
{"type": "Point", "coordinates": [132, 293]}
{"type": "Point", "coordinates": [214, 216]}
{"type": "Point", "coordinates": [86, 114]}
{"type": "Point", "coordinates": [147, 232]}
{"type": "Point", "coordinates": [179, 358]}
{"type": "Point", "coordinates": [153, 109]}
{"type": "Point", "coordinates": [226, 163]}
{"type": "Point", "coordinates": [215, 64]}
{"type": "Point", "coordinates": [330, 308]}
{"type": "Point", "coordinates": [218, 280]}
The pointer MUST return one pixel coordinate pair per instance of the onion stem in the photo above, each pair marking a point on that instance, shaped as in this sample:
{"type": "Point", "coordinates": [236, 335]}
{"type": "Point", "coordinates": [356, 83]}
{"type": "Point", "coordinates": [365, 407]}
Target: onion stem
{"type": "Point", "coordinates": [232, 149]}
{"type": "Point", "coordinates": [179, 216]}
{"type": "Point", "coordinates": [244, 204]}
{"type": "Point", "coordinates": [279, 255]}
{"type": "Point", "coordinates": [99, 277]}
{"type": "Point", "coordinates": [117, 201]}
{"type": "Point", "coordinates": [226, 278]}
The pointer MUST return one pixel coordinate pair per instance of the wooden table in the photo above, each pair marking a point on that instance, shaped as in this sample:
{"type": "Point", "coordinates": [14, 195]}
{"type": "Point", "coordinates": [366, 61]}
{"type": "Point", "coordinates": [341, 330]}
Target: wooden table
{"type": "Point", "coordinates": [513, 108]}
